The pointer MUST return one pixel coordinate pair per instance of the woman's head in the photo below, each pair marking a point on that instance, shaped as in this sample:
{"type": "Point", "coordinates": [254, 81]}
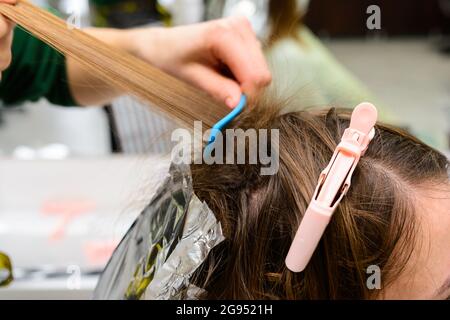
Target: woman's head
{"type": "Point", "coordinates": [395, 217]}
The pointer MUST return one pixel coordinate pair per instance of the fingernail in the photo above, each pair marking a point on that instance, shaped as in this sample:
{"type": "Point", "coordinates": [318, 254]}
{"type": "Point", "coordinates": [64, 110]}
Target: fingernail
{"type": "Point", "coordinates": [230, 103]}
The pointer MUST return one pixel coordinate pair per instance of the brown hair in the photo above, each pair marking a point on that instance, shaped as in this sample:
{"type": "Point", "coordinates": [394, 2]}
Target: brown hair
{"type": "Point", "coordinates": [374, 225]}
{"type": "Point", "coordinates": [169, 95]}
{"type": "Point", "coordinates": [285, 18]}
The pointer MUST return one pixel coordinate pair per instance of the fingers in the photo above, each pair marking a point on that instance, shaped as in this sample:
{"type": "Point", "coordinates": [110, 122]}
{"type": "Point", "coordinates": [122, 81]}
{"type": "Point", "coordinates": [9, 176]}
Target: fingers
{"type": "Point", "coordinates": [262, 75]}
{"type": "Point", "coordinates": [6, 26]}
{"type": "Point", "coordinates": [6, 35]}
{"type": "Point", "coordinates": [234, 43]}
{"type": "Point", "coordinates": [209, 80]}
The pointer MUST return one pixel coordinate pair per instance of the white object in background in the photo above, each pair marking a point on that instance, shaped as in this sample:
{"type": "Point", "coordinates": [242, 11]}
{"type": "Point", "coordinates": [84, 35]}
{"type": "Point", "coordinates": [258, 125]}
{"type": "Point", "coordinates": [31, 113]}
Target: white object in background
{"type": "Point", "coordinates": [85, 131]}
{"type": "Point", "coordinates": [245, 8]}
{"type": "Point", "coordinates": [24, 153]}
{"type": "Point", "coordinates": [55, 215]}
{"type": "Point", "coordinates": [257, 11]}
{"type": "Point", "coordinates": [77, 11]}
{"type": "Point", "coordinates": [95, 200]}
{"type": "Point", "coordinates": [184, 11]}
{"type": "Point", "coordinates": [54, 151]}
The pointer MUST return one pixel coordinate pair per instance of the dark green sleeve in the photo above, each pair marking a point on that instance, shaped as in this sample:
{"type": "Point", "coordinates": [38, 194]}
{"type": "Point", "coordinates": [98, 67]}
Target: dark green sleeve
{"type": "Point", "coordinates": [36, 71]}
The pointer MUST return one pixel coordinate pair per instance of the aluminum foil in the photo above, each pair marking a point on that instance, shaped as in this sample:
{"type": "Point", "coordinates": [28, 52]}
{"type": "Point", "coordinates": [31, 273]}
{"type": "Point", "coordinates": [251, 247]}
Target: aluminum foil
{"type": "Point", "coordinates": [6, 274]}
{"type": "Point", "coordinates": [163, 248]}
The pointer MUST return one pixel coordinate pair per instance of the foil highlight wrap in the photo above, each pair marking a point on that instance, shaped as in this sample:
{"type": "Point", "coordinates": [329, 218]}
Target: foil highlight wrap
{"type": "Point", "coordinates": [163, 248]}
{"type": "Point", "coordinates": [6, 273]}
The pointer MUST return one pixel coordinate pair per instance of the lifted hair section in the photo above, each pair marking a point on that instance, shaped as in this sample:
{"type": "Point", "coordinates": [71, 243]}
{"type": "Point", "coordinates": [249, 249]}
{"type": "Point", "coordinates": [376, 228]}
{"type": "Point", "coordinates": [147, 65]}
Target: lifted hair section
{"type": "Point", "coordinates": [169, 95]}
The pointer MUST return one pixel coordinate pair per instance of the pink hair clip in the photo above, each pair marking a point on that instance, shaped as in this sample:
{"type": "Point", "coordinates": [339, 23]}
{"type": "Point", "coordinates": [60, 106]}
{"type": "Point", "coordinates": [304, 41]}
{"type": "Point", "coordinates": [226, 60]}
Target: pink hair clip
{"type": "Point", "coordinates": [333, 184]}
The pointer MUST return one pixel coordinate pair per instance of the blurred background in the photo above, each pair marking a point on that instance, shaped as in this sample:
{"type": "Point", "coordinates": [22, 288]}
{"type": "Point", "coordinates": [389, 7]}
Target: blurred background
{"type": "Point", "coordinates": [74, 179]}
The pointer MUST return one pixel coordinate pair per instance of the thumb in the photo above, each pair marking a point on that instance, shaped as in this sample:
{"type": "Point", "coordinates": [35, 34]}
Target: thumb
{"type": "Point", "coordinates": [6, 26]}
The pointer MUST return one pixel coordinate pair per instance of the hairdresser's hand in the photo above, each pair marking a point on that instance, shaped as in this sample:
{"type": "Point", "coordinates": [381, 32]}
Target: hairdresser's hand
{"type": "Point", "coordinates": [222, 57]}
{"type": "Point", "coordinates": [6, 35]}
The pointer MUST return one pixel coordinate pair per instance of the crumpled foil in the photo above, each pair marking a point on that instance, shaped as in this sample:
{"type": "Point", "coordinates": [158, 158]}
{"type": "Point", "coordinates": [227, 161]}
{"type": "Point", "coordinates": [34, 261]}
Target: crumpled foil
{"type": "Point", "coordinates": [6, 274]}
{"type": "Point", "coordinates": [163, 248]}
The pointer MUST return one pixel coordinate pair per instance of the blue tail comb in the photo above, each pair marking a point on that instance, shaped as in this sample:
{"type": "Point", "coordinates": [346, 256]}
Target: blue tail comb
{"type": "Point", "coordinates": [219, 126]}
